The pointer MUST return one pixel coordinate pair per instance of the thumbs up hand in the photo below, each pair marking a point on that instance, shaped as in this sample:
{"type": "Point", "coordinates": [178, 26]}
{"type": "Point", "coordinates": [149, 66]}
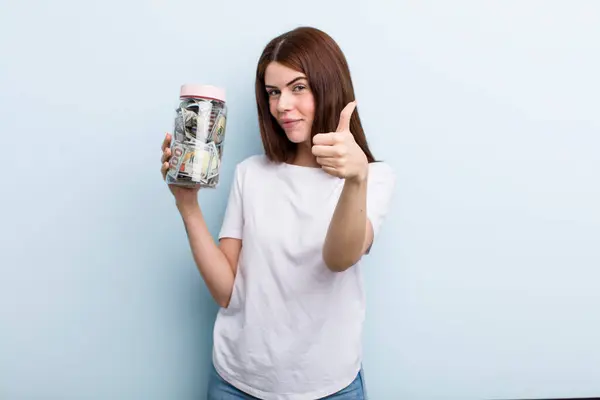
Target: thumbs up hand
{"type": "Point", "coordinates": [338, 153]}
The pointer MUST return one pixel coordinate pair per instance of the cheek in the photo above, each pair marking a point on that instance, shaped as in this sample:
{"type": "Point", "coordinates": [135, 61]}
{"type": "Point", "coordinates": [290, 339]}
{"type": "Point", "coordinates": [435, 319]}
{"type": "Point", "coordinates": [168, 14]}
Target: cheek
{"type": "Point", "coordinates": [307, 105]}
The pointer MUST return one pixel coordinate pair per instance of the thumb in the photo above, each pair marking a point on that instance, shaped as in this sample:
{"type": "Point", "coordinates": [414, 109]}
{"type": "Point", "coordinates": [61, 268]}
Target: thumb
{"type": "Point", "coordinates": [345, 115]}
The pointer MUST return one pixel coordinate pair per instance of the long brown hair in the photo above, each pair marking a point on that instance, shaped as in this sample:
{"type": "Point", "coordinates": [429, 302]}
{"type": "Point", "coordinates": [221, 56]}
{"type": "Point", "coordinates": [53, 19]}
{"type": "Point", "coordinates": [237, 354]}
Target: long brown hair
{"type": "Point", "coordinates": [314, 53]}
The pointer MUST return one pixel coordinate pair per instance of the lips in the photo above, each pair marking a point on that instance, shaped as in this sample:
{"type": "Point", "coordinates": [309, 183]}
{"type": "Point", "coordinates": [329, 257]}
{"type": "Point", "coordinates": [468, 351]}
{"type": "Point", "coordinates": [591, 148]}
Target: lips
{"type": "Point", "coordinates": [286, 123]}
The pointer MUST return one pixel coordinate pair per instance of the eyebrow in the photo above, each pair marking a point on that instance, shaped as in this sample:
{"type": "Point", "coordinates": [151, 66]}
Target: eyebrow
{"type": "Point", "coordinates": [290, 82]}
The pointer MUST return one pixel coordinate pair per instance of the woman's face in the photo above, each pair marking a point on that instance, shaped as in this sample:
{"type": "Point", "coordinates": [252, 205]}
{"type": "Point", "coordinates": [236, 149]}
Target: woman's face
{"type": "Point", "coordinates": [291, 101]}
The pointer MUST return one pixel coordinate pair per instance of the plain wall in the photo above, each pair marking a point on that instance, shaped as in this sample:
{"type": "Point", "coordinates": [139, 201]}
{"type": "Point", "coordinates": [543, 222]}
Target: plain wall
{"type": "Point", "coordinates": [483, 282]}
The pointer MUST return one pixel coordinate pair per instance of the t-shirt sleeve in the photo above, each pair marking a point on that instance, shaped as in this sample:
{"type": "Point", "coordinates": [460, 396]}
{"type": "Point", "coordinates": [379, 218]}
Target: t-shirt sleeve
{"type": "Point", "coordinates": [380, 189]}
{"type": "Point", "coordinates": [233, 220]}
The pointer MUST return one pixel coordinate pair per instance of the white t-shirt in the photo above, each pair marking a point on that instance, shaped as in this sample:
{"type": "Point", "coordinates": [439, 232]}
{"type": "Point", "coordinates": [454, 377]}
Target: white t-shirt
{"type": "Point", "coordinates": [293, 328]}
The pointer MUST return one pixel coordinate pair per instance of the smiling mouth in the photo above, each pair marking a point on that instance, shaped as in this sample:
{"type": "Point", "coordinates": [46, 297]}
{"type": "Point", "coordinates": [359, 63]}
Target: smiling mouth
{"type": "Point", "coordinates": [290, 123]}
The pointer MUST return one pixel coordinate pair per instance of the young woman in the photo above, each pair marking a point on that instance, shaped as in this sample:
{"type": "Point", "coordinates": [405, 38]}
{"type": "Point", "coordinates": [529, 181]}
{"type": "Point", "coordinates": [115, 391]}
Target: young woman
{"type": "Point", "coordinates": [286, 271]}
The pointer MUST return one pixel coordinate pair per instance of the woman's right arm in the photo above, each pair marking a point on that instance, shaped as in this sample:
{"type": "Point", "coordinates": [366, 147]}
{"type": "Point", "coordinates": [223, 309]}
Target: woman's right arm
{"type": "Point", "coordinates": [217, 264]}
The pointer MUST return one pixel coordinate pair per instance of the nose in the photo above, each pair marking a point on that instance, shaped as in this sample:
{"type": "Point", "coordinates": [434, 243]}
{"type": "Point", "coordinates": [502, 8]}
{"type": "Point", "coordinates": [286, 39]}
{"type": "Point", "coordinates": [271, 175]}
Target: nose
{"type": "Point", "coordinates": [285, 102]}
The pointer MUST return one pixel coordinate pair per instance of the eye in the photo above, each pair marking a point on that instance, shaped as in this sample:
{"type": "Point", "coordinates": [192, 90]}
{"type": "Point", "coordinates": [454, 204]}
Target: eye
{"type": "Point", "coordinates": [272, 92]}
{"type": "Point", "coordinates": [299, 88]}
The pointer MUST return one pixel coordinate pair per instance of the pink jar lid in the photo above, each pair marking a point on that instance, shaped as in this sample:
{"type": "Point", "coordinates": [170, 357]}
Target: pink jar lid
{"type": "Point", "coordinates": [204, 91]}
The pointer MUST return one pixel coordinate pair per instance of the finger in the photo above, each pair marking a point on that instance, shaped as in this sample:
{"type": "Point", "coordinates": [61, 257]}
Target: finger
{"type": "Point", "coordinates": [345, 115]}
{"type": "Point", "coordinates": [325, 138]}
{"type": "Point", "coordinates": [328, 161]}
{"type": "Point", "coordinates": [325, 151]}
{"type": "Point", "coordinates": [163, 169]}
{"type": "Point", "coordinates": [332, 171]}
{"type": "Point", "coordinates": [166, 155]}
{"type": "Point", "coordinates": [166, 142]}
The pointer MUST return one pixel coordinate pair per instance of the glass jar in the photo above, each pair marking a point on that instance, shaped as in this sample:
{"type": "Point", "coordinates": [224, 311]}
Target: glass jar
{"type": "Point", "coordinates": [198, 136]}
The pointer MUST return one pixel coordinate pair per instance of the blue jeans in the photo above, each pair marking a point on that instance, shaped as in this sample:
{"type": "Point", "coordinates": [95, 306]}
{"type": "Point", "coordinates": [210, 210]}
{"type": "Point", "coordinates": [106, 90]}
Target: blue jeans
{"type": "Point", "coordinates": [219, 389]}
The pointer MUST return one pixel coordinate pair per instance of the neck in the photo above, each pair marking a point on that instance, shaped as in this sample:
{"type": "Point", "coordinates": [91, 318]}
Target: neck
{"type": "Point", "coordinates": [304, 156]}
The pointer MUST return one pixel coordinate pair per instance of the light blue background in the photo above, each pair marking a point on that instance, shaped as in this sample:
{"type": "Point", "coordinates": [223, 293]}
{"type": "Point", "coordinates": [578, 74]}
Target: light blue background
{"type": "Point", "coordinates": [484, 281]}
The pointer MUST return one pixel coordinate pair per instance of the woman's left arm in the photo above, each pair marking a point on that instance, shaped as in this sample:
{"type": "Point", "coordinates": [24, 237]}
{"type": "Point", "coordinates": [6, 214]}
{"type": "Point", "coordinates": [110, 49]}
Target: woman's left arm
{"type": "Point", "coordinates": [350, 232]}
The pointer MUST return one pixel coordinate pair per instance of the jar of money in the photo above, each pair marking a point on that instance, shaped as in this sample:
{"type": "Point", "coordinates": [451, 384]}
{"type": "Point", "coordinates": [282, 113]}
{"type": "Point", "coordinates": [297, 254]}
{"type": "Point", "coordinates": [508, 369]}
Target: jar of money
{"type": "Point", "coordinates": [198, 136]}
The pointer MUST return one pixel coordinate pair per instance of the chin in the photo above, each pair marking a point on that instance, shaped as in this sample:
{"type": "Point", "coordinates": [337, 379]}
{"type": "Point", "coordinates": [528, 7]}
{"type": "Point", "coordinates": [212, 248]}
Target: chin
{"type": "Point", "coordinates": [297, 137]}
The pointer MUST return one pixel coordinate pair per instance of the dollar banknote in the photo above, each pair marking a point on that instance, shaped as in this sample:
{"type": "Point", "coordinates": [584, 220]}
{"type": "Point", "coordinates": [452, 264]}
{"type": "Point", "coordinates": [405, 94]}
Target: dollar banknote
{"type": "Point", "coordinates": [218, 129]}
{"type": "Point", "coordinates": [192, 121]}
{"type": "Point", "coordinates": [198, 163]}
{"type": "Point", "coordinates": [178, 151]}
